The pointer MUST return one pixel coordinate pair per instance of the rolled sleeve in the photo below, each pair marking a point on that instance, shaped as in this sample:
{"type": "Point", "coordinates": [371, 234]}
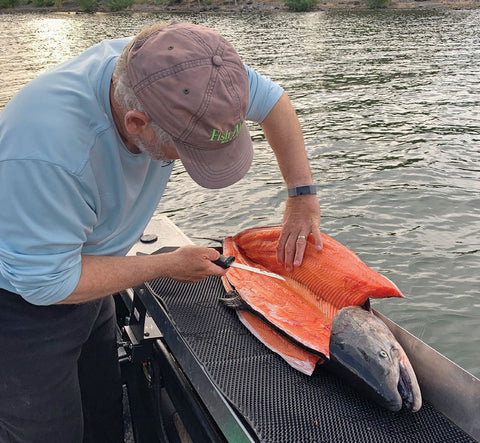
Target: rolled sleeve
{"type": "Point", "coordinates": [44, 226]}
{"type": "Point", "coordinates": [48, 288]}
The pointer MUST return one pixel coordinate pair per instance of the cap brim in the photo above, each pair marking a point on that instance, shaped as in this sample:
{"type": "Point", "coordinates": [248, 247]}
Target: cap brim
{"type": "Point", "coordinates": [221, 167]}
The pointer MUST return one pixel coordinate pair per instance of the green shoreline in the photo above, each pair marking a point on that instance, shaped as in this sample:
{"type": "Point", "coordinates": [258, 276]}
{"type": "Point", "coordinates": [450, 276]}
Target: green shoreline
{"type": "Point", "coordinates": [193, 6]}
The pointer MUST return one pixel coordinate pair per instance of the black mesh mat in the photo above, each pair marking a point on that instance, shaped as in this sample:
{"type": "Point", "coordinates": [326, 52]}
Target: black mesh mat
{"type": "Point", "coordinates": [279, 403]}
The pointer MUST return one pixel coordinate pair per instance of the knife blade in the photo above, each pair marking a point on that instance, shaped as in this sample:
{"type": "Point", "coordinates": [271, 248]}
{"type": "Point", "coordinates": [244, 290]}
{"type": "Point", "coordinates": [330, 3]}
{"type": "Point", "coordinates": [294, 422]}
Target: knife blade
{"type": "Point", "coordinates": [229, 262]}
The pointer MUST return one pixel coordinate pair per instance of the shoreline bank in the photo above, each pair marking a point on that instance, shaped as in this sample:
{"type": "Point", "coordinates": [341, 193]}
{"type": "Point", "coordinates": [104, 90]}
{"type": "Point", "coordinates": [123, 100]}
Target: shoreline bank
{"type": "Point", "coordinates": [252, 6]}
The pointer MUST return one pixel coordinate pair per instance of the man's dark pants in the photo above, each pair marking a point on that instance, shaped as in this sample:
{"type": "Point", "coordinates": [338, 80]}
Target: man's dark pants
{"type": "Point", "coordinates": [59, 373]}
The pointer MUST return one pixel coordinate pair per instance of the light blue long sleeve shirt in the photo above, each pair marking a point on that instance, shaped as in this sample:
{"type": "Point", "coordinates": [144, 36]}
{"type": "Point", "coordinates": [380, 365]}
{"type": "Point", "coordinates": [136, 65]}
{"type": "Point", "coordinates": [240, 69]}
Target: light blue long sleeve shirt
{"type": "Point", "coordinates": [68, 185]}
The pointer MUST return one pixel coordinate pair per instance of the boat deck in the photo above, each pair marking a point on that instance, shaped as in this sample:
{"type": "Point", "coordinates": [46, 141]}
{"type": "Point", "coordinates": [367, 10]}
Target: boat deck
{"type": "Point", "coordinates": [252, 394]}
{"type": "Point", "coordinates": [276, 403]}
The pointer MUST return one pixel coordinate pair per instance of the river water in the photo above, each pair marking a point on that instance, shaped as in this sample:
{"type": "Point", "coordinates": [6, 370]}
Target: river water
{"type": "Point", "coordinates": [390, 106]}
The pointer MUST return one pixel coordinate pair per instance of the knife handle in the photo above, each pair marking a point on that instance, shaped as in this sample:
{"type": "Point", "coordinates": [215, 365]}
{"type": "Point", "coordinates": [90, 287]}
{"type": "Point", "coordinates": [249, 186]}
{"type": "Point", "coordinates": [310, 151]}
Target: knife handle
{"type": "Point", "coordinates": [224, 262]}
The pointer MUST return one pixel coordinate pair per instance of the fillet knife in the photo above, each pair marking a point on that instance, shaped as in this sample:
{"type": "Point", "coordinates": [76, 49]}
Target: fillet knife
{"type": "Point", "coordinates": [229, 262]}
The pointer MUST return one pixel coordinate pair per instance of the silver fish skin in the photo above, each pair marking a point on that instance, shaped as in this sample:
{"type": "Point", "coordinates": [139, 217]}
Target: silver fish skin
{"type": "Point", "coordinates": [365, 353]}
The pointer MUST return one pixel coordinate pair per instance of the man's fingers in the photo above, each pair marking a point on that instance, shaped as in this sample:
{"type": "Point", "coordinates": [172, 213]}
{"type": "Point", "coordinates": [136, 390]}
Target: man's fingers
{"type": "Point", "coordinates": [281, 248]}
{"type": "Point", "coordinates": [318, 239]}
{"type": "Point", "coordinates": [291, 247]}
{"type": "Point", "coordinates": [294, 249]}
{"type": "Point", "coordinates": [300, 246]}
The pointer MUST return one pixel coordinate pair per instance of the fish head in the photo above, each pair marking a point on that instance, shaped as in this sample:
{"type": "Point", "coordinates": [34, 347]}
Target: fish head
{"type": "Point", "coordinates": [365, 352]}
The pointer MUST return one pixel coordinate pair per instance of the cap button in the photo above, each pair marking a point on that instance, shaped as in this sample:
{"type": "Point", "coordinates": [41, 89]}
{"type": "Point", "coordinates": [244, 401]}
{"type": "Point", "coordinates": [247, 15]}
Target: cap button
{"type": "Point", "coordinates": [217, 60]}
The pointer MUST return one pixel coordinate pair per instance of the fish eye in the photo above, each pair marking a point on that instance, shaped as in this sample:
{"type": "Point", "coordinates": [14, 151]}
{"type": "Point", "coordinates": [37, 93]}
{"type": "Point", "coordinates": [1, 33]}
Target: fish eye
{"type": "Point", "coordinates": [383, 354]}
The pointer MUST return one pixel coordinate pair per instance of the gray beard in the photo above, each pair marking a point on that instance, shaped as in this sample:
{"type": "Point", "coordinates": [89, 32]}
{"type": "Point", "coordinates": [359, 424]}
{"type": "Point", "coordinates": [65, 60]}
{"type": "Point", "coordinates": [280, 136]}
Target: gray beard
{"type": "Point", "coordinates": [153, 151]}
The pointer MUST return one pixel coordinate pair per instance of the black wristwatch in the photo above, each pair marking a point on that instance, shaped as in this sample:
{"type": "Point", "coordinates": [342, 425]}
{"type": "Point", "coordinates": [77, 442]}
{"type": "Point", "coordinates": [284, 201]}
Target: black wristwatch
{"type": "Point", "coordinates": [302, 190]}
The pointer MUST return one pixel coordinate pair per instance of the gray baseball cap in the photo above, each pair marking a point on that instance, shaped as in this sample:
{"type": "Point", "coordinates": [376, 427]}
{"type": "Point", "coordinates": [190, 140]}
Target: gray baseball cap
{"type": "Point", "coordinates": [193, 85]}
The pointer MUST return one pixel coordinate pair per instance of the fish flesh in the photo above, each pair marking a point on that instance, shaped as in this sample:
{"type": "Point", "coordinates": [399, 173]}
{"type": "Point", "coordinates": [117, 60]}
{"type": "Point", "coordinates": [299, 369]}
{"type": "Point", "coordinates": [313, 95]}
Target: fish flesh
{"type": "Point", "coordinates": [296, 356]}
{"type": "Point", "coordinates": [304, 305]}
{"type": "Point", "coordinates": [315, 315]}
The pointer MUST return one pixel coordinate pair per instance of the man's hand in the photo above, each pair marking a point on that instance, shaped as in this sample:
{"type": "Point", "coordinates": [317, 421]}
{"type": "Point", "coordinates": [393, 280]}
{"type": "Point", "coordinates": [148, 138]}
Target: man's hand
{"type": "Point", "coordinates": [301, 217]}
{"type": "Point", "coordinates": [193, 263]}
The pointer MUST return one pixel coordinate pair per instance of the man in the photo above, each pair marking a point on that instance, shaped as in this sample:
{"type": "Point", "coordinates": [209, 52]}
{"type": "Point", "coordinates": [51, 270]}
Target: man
{"type": "Point", "coordinates": [85, 154]}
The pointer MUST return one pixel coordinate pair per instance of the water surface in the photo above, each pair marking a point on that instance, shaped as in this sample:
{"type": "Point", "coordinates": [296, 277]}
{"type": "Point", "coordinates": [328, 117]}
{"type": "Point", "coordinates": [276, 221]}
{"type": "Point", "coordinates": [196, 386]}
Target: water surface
{"type": "Point", "coordinates": [390, 106]}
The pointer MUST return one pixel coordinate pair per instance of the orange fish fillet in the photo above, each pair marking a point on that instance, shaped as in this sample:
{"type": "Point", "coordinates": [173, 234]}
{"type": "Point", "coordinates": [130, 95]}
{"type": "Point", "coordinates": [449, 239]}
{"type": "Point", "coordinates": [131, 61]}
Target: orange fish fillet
{"type": "Point", "coordinates": [303, 306]}
{"type": "Point", "coordinates": [294, 355]}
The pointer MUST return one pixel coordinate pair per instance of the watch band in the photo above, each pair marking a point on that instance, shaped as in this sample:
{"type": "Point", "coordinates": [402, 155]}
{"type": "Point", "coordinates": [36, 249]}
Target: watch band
{"type": "Point", "coordinates": [302, 190]}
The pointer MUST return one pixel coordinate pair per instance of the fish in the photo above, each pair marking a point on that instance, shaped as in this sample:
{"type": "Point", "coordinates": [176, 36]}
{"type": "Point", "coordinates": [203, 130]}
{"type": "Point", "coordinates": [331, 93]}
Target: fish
{"type": "Point", "coordinates": [364, 352]}
{"type": "Point", "coordinates": [304, 304]}
{"type": "Point", "coordinates": [309, 319]}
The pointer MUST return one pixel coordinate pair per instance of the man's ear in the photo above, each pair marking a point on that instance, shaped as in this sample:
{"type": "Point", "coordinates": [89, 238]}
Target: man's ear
{"type": "Point", "coordinates": [135, 122]}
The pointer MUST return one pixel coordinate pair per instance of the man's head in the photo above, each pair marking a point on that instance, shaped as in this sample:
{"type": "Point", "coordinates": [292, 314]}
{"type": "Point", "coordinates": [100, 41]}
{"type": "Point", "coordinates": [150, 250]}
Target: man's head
{"type": "Point", "coordinates": [190, 82]}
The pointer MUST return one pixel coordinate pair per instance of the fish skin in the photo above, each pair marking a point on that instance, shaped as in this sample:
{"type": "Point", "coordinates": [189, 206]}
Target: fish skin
{"type": "Point", "coordinates": [365, 353]}
{"type": "Point", "coordinates": [304, 305]}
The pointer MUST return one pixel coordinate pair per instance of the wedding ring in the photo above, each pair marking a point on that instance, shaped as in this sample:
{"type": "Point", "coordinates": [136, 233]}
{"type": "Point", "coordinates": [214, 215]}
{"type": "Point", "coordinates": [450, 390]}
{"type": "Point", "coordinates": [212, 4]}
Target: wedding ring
{"type": "Point", "coordinates": [301, 237]}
